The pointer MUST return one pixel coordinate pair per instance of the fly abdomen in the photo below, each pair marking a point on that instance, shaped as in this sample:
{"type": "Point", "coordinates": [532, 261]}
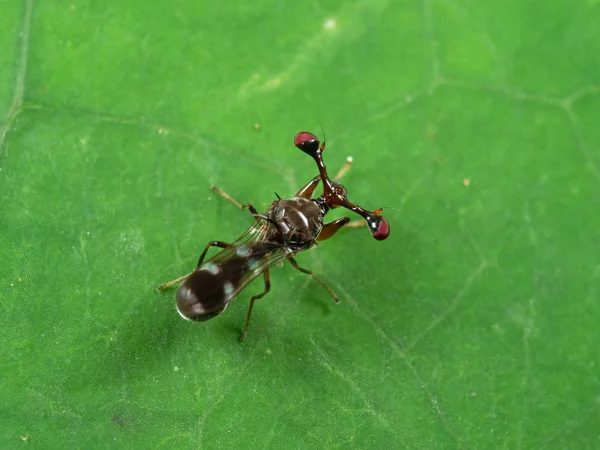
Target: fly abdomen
{"type": "Point", "coordinates": [207, 291]}
{"type": "Point", "coordinates": [200, 297]}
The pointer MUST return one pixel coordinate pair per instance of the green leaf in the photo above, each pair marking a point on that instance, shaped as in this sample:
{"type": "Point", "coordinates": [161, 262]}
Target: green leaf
{"type": "Point", "coordinates": [475, 124]}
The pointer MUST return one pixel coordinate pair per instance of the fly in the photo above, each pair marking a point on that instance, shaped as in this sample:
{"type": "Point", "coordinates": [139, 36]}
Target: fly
{"type": "Point", "coordinates": [286, 228]}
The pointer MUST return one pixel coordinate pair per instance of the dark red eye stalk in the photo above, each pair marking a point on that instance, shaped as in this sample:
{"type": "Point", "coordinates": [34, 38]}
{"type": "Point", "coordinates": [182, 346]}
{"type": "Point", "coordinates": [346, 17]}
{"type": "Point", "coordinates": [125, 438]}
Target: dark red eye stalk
{"type": "Point", "coordinates": [334, 194]}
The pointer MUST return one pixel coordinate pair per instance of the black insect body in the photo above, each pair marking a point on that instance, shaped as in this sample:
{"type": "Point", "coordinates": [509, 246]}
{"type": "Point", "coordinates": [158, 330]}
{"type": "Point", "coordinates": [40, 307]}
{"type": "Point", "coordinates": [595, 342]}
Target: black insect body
{"type": "Point", "coordinates": [286, 228]}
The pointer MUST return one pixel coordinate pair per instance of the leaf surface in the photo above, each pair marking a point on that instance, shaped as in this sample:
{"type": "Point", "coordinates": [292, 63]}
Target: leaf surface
{"type": "Point", "coordinates": [474, 124]}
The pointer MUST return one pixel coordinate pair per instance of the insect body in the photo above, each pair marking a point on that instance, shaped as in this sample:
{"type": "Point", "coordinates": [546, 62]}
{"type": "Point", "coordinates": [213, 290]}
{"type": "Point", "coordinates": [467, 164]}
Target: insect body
{"type": "Point", "coordinates": [286, 228]}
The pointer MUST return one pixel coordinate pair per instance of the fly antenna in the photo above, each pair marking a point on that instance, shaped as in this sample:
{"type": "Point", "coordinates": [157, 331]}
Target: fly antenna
{"type": "Point", "coordinates": [322, 131]}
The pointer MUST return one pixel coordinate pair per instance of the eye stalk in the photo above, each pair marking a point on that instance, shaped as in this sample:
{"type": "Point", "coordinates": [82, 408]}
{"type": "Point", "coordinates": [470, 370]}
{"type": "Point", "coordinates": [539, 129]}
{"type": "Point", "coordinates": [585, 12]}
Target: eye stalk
{"type": "Point", "coordinates": [334, 194]}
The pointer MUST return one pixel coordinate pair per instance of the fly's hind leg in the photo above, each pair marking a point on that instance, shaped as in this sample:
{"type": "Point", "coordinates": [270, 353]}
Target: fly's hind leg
{"type": "Point", "coordinates": [219, 244]}
{"type": "Point", "coordinates": [314, 277]}
{"type": "Point", "coordinates": [172, 282]}
{"type": "Point", "coordinates": [267, 278]}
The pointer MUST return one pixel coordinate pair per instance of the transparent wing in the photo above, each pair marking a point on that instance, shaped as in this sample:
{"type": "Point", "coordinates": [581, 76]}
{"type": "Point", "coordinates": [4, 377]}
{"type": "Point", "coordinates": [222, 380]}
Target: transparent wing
{"type": "Point", "coordinates": [267, 260]}
{"type": "Point", "coordinates": [257, 233]}
{"type": "Point", "coordinates": [248, 257]}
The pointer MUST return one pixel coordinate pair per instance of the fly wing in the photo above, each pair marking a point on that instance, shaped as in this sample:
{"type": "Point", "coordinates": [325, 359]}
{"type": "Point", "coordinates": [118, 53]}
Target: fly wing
{"type": "Point", "coordinates": [208, 290]}
{"type": "Point", "coordinates": [257, 233]}
{"type": "Point", "coordinates": [246, 259]}
{"type": "Point", "coordinates": [255, 265]}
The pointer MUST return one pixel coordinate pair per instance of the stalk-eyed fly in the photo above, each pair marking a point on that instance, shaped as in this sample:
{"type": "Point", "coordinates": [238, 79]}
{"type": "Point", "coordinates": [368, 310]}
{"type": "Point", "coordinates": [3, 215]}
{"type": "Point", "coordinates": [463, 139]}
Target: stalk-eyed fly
{"type": "Point", "coordinates": [287, 227]}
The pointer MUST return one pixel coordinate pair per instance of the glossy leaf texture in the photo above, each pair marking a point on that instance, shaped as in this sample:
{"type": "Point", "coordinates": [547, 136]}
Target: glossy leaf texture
{"type": "Point", "coordinates": [473, 124]}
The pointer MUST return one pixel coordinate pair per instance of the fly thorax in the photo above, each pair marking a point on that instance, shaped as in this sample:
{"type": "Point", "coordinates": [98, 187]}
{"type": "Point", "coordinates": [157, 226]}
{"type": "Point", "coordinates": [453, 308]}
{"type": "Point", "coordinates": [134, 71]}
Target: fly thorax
{"type": "Point", "coordinates": [300, 221]}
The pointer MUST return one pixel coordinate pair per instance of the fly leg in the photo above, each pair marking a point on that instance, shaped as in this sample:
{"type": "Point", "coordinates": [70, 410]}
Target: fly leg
{"type": "Point", "coordinates": [309, 188]}
{"type": "Point", "coordinates": [345, 168]}
{"type": "Point", "coordinates": [329, 229]}
{"type": "Point", "coordinates": [308, 272]}
{"type": "Point", "coordinates": [219, 244]}
{"type": "Point", "coordinates": [172, 282]}
{"type": "Point", "coordinates": [267, 278]}
{"type": "Point", "coordinates": [228, 197]}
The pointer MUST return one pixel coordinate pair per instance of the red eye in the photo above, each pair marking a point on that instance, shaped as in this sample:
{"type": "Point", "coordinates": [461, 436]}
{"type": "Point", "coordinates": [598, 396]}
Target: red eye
{"type": "Point", "coordinates": [379, 227]}
{"type": "Point", "coordinates": [383, 230]}
{"type": "Point", "coordinates": [307, 142]}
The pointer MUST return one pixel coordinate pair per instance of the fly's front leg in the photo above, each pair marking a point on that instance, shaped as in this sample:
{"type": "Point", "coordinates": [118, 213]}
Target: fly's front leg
{"type": "Point", "coordinates": [309, 188]}
{"type": "Point", "coordinates": [329, 229]}
{"type": "Point", "coordinates": [308, 272]}
{"type": "Point", "coordinates": [267, 278]}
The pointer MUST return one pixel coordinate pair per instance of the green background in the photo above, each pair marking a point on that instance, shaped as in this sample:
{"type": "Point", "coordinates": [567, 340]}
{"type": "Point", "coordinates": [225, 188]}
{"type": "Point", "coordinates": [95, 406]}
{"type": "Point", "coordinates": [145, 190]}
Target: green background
{"type": "Point", "coordinates": [475, 124]}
